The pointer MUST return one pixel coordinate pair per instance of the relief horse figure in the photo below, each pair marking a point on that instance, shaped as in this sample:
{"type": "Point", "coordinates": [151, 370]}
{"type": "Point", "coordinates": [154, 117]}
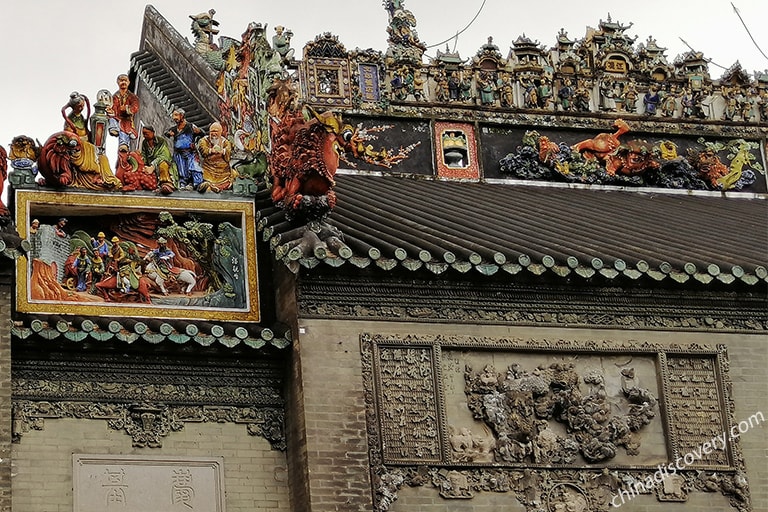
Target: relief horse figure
{"type": "Point", "coordinates": [161, 274]}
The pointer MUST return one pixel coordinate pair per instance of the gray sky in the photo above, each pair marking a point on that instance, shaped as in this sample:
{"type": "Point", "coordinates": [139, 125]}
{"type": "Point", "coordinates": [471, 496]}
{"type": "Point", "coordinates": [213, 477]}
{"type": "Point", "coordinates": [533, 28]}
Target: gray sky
{"type": "Point", "coordinates": [55, 47]}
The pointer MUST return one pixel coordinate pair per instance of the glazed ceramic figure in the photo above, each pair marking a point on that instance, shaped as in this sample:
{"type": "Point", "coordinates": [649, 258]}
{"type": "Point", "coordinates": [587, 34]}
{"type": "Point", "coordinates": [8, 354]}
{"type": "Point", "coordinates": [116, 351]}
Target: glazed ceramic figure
{"type": "Point", "coordinates": [454, 86]}
{"type": "Point", "coordinates": [184, 135]}
{"type": "Point", "coordinates": [530, 94]}
{"type": "Point", "coordinates": [686, 101]}
{"type": "Point", "coordinates": [68, 161]}
{"type": "Point", "coordinates": [3, 177]}
{"type": "Point", "coordinates": [75, 121]}
{"type": "Point", "coordinates": [651, 101]}
{"type": "Point", "coordinates": [81, 267]}
{"type": "Point", "coordinates": [565, 96]}
{"type": "Point", "coordinates": [544, 93]}
{"type": "Point", "coordinates": [158, 159]}
{"type": "Point", "coordinates": [506, 90]}
{"type": "Point", "coordinates": [124, 107]}
{"type": "Point", "coordinates": [582, 98]}
{"type": "Point", "coordinates": [216, 151]}
{"type": "Point", "coordinates": [486, 89]}
{"type": "Point", "coordinates": [668, 103]}
{"type": "Point", "coordinates": [629, 98]}
{"type": "Point", "coordinates": [59, 229]}
{"type": "Point", "coordinates": [130, 170]}
{"type": "Point", "coordinates": [100, 246]}
{"type": "Point", "coordinates": [607, 96]}
{"type": "Point", "coordinates": [160, 269]}
{"type": "Point", "coordinates": [281, 42]}
{"type": "Point", "coordinates": [762, 106]}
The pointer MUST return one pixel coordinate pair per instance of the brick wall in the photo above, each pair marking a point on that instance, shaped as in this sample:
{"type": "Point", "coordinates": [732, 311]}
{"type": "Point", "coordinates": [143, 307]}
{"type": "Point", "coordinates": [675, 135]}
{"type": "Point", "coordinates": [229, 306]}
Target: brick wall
{"type": "Point", "coordinates": [336, 441]}
{"type": "Point", "coordinates": [5, 395]}
{"type": "Point", "coordinates": [254, 474]}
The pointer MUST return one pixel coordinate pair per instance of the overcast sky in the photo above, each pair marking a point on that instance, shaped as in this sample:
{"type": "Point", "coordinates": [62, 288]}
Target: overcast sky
{"type": "Point", "coordinates": [54, 47]}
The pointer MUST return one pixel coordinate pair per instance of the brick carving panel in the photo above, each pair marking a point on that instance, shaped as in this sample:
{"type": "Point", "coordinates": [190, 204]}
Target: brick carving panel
{"type": "Point", "coordinates": [549, 421]}
{"type": "Point", "coordinates": [695, 406]}
{"type": "Point", "coordinates": [407, 399]}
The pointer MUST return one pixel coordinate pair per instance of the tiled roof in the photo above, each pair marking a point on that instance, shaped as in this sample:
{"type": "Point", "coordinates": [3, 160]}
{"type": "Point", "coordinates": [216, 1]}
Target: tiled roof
{"type": "Point", "coordinates": [493, 228]}
{"type": "Point", "coordinates": [167, 88]}
{"type": "Point", "coordinates": [152, 331]}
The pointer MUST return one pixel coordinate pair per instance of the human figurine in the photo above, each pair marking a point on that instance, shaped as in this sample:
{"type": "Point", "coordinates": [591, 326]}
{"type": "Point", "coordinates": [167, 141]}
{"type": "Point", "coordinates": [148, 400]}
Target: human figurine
{"type": "Point", "coordinates": [442, 92]}
{"type": "Point", "coordinates": [59, 227]}
{"type": "Point", "coordinates": [281, 43]}
{"type": "Point", "coordinates": [582, 98]}
{"type": "Point", "coordinates": [651, 101]}
{"type": "Point", "coordinates": [466, 88]}
{"type": "Point", "coordinates": [34, 226]}
{"type": "Point", "coordinates": [454, 86]}
{"type": "Point", "coordinates": [745, 106]}
{"type": "Point", "coordinates": [116, 254]}
{"type": "Point", "coordinates": [565, 96]}
{"type": "Point", "coordinates": [215, 151]}
{"type": "Point", "coordinates": [163, 261]}
{"type": "Point", "coordinates": [686, 101]}
{"type": "Point", "coordinates": [121, 270]}
{"type": "Point", "coordinates": [158, 159]}
{"type": "Point", "coordinates": [544, 93]}
{"type": "Point", "coordinates": [97, 271]}
{"type": "Point", "coordinates": [160, 268]}
{"type": "Point", "coordinates": [607, 96]}
{"type": "Point", "coordinates": [668, 103]}
{"type": "Point", "coordinates": [81, 266]}
{"type": "Point", "coordinates": [486, 88]}
{"type": "Point", "coordinates": [131, 171]}
{"type": "Point", "coordinates": [184, 135]}
{"type": "Point", "coordinates": [100, 245]}
{"type": "Point", "coordinates": [629, 98]}
{"type": "Point", "coordinates": [530, 94]}
{"type": "Point", "coordinates": [762, 106]}
{"type": "Point", "coordinates": [125, 105]}
{"type": "Point", "coordinates": [75, 121]}
{"type": "Point", "coordinates": [731, 104]}
{"type": "Point", "coordinates": [506, 90]}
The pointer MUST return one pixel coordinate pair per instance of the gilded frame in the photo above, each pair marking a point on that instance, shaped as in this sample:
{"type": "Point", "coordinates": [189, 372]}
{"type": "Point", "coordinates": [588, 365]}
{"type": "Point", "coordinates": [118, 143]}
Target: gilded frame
{"type": "Point", "coordinates": [29, 204]}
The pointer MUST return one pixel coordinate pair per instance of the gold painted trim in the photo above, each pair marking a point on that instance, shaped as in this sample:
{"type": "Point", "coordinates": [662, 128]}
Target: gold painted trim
{"type": "Point", "coordinates": [91, 203]}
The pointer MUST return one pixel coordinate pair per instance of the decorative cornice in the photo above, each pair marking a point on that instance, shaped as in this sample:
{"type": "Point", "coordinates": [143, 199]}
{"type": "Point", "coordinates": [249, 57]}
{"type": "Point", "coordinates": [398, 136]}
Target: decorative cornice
{"type": "Point", "coordinates": [429, 301]}
{"type": "Point", "coordinates": [148, 423]}
{"type": "Point", "coordinates": [228, 384]}
{"type": "Point", "coordinates": [129, 330]}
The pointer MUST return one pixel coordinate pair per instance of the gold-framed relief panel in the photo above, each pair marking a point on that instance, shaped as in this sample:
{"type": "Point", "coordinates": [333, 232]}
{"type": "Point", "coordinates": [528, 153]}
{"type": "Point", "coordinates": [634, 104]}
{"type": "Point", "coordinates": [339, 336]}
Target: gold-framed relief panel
{"type": "Point", "coordinates": [137, 256]}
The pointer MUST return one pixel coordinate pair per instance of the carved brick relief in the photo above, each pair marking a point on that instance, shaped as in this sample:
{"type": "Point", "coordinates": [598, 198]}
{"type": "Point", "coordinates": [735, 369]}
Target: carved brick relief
{"type": "Point", "coordinates": [148, 401]}
{"type": "Point", "coordinates": [148, 423]}
{"type": "Point", "coordinates": [408, 403]}
{"type": "Point", "coordinates": [551, 421]}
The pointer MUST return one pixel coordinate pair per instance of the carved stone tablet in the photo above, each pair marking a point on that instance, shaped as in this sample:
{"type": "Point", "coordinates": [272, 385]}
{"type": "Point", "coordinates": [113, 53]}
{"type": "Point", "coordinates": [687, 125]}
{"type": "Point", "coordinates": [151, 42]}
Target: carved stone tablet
{"type": "Point", "coordinates": [137, 484]}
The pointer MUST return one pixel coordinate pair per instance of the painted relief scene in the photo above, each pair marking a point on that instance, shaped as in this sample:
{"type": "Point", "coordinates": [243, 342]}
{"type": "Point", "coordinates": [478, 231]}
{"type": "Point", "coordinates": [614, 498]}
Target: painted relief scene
{"type": "Point", "coordinates": [618, 156]}
{"type": "Point", "coordinates": [134, 257]}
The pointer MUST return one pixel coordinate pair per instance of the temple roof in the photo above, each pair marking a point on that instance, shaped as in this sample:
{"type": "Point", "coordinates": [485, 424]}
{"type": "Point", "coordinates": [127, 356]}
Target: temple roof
{"type": "Point", "coordinates": [394, 222]}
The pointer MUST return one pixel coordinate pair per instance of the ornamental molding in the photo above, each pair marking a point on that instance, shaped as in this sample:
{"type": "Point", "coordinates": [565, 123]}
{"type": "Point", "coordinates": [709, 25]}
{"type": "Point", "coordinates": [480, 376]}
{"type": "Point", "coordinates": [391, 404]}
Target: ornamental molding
{"type": "Point", "coordinates": [148, 423]}
{"type": "Point", "coordinates": [444, 302]}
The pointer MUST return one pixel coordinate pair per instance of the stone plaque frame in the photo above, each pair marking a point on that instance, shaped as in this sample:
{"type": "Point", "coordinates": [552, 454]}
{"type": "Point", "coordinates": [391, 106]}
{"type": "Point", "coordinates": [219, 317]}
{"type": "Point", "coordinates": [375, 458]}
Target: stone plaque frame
{"type": "Point", "coordinates": [89, 207]}
{"type": "Point", "coordinates": [112, 476]}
